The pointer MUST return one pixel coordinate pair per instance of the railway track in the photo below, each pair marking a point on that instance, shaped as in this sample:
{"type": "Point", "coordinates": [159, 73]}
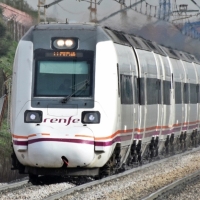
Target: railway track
{"type": "Point", "coordinates": [15, 185]}
{"type": "Point", "coordinates": [73, 186]}
{"type": "Point", "coordinates": [176, 186]}
{"type": "Point", "coordinates": [81, 188]}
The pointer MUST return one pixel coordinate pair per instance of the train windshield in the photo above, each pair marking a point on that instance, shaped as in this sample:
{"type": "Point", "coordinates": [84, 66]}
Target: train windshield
{"type": "Point", "coordinates": [63, 77]}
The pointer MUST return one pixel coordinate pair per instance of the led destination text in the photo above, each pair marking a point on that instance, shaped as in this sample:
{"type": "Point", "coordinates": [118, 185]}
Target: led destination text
{"type": "Point", "coordinates": [66, 54]}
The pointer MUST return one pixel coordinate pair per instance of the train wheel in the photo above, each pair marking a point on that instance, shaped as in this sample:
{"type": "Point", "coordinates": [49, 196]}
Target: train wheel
{"type": "Point", "coordinates": [33, 178]}
{"type": "Point", "coordinates": [109, 168]}
{"type": "Point", "coordinates": [16, 164]}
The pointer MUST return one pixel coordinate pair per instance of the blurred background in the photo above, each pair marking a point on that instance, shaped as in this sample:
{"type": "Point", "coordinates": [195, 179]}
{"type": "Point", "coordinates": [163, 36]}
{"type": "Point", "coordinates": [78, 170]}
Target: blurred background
{"type": "Point", "coordinates": [174, 23]}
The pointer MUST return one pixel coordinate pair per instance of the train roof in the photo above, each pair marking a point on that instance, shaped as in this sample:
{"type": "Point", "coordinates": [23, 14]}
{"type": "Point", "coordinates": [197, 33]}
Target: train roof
{"type": "Point", "coordinates": [122, 38]}
{"type": "Point", "coordinates": [65, 26]}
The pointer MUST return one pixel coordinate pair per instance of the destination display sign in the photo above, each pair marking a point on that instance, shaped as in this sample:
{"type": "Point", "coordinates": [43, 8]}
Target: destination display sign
{"type": "Point", "coordinates": [63, 54]}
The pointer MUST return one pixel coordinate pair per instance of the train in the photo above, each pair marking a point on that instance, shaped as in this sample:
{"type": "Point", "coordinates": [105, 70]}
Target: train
{"type": "Point", "coordinates": [89, 100]}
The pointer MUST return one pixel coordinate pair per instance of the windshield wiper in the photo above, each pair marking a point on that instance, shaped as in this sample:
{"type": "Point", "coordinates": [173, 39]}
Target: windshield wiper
{"type": "Point", "coordinates": [66, 99]}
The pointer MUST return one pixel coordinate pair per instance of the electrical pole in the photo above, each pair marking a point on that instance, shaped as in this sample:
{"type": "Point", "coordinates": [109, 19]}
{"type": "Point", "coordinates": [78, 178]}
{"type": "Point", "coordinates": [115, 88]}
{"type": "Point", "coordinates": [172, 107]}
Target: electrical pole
{"type": "Point", "coordinates": [42, 4]}
{"type": "Point", "coordinates": [93, 10]}
{"type": "Point", "coordinates": [41, 10]}
{"type": "Point", "coordinates": [165, 9]}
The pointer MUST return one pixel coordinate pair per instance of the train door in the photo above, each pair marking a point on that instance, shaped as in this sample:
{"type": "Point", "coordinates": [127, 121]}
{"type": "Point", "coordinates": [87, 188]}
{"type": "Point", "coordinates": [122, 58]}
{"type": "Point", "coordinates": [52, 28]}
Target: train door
{"type": "Point", "coordinates": [191, 98]}
{"type": "Point", "coordinates": [197, 68]}
{"type": "Point", "coordinates": [127, 71]}
{"type": "Point", "coordinates": [179, 110]}
{"type": "Point", "coordinates": [126, 81]}
{"type": "Point", "coordinates": [160, 115]}
{"type": "Point", "coordinates": [186, 108]}
{"type": "Point", "coordinates": [149, 93]}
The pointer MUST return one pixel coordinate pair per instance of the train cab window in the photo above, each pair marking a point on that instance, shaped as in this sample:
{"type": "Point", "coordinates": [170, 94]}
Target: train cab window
{"type": "Point", "coordinates": [126, 89]}
{"type": "Point", "coordinates": [63, 77]}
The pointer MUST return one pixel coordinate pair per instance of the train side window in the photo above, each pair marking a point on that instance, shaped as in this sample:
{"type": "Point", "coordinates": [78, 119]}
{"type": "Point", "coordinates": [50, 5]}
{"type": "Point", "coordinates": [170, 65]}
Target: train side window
{"type": "Point", "coordinates": [136, 90]}
{"type": "Point", "coordinates": [197, 90]}
{"type": "Point", "coordinates": [152, 91]}
{"type": "Point", "coordinates": [118, 79]}
{"type": "Point", "coordinates": [186, 93]}
{"type": "Point", "coordinates": [166, 92]}
{"type": "Point", "coordinates": [126, 89]}
{"type": "Point", "coordinates": [193, 94]}
{"type": "Point", "coordinates": [178, 95]}
{"type": "Point", "coordinates": [158, 84]}
{"type": "Point", "coordinates": [142, 96]}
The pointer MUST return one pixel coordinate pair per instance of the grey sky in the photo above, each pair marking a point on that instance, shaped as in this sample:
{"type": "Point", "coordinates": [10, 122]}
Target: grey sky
{"type": "Point", "coordinates": [131, 20]}
{"type": "Point", "coordinates": [78, 11]}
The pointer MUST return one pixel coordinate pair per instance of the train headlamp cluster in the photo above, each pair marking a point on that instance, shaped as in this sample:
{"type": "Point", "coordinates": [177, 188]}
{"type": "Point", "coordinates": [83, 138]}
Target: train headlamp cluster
{"type": "Point", "coordinates": [90, 117]}
{"type": "Point", "coordinates": [64, 43]}
{"type": "Point", "coordinates": [33, 116]}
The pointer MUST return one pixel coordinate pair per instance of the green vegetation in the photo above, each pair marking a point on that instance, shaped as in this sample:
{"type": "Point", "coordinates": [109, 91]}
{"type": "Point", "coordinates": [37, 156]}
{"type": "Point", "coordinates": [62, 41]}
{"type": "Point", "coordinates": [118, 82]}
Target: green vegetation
{"type": "Point", "coordinates": [6, 60]}
{"type": "Point", "coordinates": [5, 140]}
{"type": "Point", "coordinates": [7, 50]}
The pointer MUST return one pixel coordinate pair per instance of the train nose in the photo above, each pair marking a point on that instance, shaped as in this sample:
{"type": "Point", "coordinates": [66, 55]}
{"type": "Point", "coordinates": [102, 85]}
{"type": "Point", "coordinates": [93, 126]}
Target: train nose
{"type": "Point", "coordinates": [52, 151]}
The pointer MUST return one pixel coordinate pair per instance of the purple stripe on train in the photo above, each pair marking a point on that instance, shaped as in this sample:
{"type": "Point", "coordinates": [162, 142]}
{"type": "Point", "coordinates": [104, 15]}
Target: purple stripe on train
{"type": "Point", "coordinates": [20, 143]}
{"type": "Point", "coordinates": [96, 143]}
{"type": "Point", "coordinates": [60, 140]}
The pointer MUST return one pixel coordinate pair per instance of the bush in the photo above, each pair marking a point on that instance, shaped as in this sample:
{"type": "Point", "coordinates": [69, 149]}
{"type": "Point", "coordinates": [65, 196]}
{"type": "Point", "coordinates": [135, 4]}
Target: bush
{"type": "Point", "coordinates": [2, 29]}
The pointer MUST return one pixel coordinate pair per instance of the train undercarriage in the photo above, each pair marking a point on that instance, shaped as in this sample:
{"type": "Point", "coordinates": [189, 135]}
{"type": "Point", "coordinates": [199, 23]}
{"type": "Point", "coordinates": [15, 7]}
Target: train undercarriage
{"type": "Point", "coordinates": [138, 154]}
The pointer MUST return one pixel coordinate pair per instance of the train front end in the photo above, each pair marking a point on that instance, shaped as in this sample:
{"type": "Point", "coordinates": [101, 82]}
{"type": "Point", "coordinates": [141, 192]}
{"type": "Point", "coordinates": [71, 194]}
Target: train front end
{"type": "Point", "coordinates": [54, 114]}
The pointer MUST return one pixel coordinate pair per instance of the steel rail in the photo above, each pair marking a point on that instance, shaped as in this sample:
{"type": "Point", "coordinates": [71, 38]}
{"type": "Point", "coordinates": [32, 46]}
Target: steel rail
{"type": "Point", "coordinates": [171, 186]}
{"type": "Point", "coordinates": [103, 180]}
{"type": "Point", "coordinates": [13, 185]}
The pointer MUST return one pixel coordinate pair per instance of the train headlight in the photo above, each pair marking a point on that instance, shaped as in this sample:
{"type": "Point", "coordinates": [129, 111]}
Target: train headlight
{"type": "Point", "coordinates": [69, 43]}
{"type": "Point", "coordinates": [64, 43]}
{"type": "Point", "coordinates": [33, 116]}
{"type": "Point", "coordinates": [60, 43]}
{"type": "Point", "coordinates": [90, 117]}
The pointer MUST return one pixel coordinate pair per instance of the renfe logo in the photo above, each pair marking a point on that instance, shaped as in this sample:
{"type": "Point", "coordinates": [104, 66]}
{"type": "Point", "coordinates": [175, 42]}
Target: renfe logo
{"type": "Point", "coordinates": [65, 121]}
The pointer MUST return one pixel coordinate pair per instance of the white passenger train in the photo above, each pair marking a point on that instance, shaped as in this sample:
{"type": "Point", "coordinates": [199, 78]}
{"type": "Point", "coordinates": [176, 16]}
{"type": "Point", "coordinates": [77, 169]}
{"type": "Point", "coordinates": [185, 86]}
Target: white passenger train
{"type": "Point", "coordinates": [88, 100]}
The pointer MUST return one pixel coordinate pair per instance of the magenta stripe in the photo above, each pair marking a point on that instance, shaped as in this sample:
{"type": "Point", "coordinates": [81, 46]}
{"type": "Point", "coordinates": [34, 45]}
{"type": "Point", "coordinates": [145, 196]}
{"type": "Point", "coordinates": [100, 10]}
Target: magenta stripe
{"type": "Point", "coordinates": [60, 140]}
{"type": "Point", "coordinates": [165, 132]}
{"type": "Point", "coordinates": [149, 134]}
{"type": "Point", "coordinates": [119, 138]}
{"type": "Point", "coordinates": [126, 137]}
{"type": "Point", "coordinates": [20, 143]}
{"type": "Point", "coordinates": [176, 129]}
{"type": "Point", "coordinates": [138, 136]}
{"type": "Point", "coordinates": [193, 126]}
{"type": "Point", "coordinates": [109, 143]}
{"type": "Point", "coordinates": [184, 128]}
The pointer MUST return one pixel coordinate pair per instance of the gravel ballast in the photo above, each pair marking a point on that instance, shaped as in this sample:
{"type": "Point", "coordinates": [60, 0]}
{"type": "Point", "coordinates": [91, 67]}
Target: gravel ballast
{"type": "Point", "coordinates": [133, 186]}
